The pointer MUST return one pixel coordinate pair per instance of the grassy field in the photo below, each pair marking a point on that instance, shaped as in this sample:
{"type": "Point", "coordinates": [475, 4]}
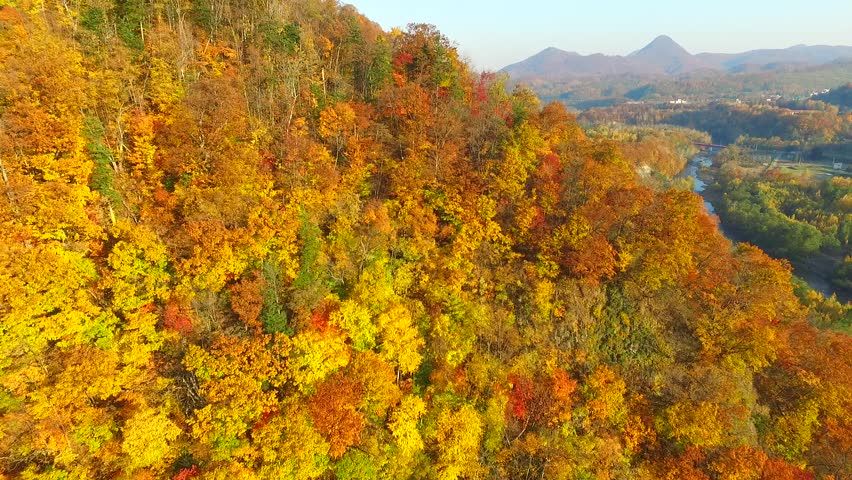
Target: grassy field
{"type": "Point", "coordinates": [819, 170]}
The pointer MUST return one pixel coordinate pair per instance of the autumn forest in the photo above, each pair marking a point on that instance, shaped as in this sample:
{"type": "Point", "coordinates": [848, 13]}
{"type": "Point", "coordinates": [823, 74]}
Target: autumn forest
{"type": "Point", "coordinates": [265, 239]}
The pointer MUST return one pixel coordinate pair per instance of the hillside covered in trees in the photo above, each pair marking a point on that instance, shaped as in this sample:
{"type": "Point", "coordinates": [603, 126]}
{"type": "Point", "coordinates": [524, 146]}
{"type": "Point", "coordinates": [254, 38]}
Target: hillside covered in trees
{"type": "Point", "coordinates": [841, 96]}
{"type": "Point", "coordinates": [267, 240]}
{"type": "Point", "coordinates": [750, 85]}
{"type": "Point", "coordinates": [785, 125]}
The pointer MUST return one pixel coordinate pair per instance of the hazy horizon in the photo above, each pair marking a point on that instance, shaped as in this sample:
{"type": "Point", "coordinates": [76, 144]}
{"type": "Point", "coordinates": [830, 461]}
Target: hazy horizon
{"type": "Point", "coordinates": [493, 35]}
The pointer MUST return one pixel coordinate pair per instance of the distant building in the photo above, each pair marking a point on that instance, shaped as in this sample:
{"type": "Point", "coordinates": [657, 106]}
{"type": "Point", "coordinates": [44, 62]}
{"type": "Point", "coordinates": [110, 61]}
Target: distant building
{"type": "Point", "coordinates": [839, 166]}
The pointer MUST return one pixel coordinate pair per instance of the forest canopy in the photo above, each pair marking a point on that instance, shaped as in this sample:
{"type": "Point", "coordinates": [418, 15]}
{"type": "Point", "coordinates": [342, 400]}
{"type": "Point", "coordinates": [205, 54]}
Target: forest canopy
{"type": "Point", "coordinates": [267, 239]}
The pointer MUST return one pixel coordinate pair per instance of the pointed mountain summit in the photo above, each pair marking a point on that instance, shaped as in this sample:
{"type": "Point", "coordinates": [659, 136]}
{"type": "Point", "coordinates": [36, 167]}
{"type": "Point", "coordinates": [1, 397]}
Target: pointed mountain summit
{"type": "Point", "coordinates": [664, 54]}
{"type": "Point", "coordinates": [662, 46]}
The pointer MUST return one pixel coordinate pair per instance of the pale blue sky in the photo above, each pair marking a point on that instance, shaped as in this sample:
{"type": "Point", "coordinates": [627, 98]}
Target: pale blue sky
{"type": "Point", "coordinates": [495, 33]}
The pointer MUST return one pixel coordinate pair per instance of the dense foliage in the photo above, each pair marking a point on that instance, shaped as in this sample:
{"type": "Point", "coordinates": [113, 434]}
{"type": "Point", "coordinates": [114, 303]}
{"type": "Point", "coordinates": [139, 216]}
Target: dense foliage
{"type": "Point", "coordinates": [663, 150]}
{"type": "Point", "coordinates": [790, 82]}
{"type": "Point", "coordinates": [265, 239]}
{"type": "Point", "coordinates": [795, 218]}
{"type": "Point", "coordinates": [841, 96]}
{"type": "Point", "coordinates": [794, 124]}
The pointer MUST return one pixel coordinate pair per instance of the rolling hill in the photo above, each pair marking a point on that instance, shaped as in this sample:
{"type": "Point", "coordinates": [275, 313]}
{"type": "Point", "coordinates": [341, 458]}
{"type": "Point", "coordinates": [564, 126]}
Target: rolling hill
{"type": "Point", "coordinates": [665, 57]}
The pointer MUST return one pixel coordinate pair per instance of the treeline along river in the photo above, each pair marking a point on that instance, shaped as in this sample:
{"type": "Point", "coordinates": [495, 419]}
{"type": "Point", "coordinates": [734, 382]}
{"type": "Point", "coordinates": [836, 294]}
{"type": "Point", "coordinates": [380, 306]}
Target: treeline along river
{"type": "Point", "coordinates": [814, 273]}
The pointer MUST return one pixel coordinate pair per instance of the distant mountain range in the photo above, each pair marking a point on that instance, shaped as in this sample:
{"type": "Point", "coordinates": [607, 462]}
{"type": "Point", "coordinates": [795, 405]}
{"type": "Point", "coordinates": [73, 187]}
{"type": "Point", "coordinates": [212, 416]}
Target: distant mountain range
{"type": "Point", "coordinates": [664, 57]}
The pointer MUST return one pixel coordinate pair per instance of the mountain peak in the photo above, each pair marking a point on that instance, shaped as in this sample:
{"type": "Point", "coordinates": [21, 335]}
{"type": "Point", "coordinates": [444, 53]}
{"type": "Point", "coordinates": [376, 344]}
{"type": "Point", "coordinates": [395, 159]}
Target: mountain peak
{"type": "Point", "coordinates": [553, 51]}
{"type": "Point", "coordinates": [661, 46]}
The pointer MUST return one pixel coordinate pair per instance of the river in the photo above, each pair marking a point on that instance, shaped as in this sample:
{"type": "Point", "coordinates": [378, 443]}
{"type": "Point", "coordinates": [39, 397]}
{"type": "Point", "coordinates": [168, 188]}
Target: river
{"type": "Point", "coordinates": [806, 271]}
{"type": "Point", "coordinates": [692, 170]}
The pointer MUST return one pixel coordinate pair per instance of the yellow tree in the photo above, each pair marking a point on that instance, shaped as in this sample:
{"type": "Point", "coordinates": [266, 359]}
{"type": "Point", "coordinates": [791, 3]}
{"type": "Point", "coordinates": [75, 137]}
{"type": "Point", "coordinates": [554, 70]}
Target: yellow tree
{"type": "Point", "coordinates": [239, 379]}
{"type": "Point", "coordinates": [403, 425]}
{"type": "Point", "coordinates": [315, 355]}
{"type": "Point", "coordinates": [401, 342]}
{"type": "Point", "coordinates": [289, 447]}
{"type": "Point", "coordinates": [459, 436]}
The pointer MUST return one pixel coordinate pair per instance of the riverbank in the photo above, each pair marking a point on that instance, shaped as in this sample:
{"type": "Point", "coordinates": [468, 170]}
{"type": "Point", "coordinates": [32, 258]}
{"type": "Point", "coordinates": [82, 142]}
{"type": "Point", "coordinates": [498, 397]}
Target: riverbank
{"type": "Point", "coordinates": [815, 271]}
